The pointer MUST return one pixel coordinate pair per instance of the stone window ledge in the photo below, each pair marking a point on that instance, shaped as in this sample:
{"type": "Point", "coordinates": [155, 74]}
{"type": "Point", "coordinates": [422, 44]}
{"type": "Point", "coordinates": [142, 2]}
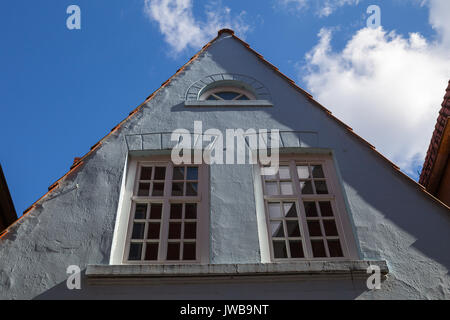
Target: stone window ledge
{"type": "Point", "coordinates": [228, 103]}
{"type": "Point", "coordinates": [215, 272]}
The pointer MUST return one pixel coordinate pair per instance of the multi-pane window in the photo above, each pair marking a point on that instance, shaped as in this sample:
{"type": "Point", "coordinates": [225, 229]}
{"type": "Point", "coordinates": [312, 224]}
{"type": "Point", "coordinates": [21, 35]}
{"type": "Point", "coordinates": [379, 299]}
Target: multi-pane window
{"type": "Point", "coordinates": [301, 212]}
{"type": "Point", "coordinates": [166, 212]}
{"type": "Point", "coordinates": [227, 93]}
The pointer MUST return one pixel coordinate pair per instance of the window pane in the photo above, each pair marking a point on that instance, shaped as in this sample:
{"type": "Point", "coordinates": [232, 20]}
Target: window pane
{"type": "Point", "coordinates": [325, 209]}
{"type": "Point", "coordinates": [318, 249]}
{"type": "Point", "coordinates": [189, 251]}
{"type": "Point", "coordinates": [175, 230]}
{"type": "Point", "coordinates": [290, 210]}
{"type": "Point", "coordinates": [275, 210]}
{"type": "Point", "coordinates": [314, 229]}
{"type": "Point", "coordinates": [317, 172]}
{"type": "Point", "coordinates": [160, 173]}
{"type": "Point", "coordinates": [227, 95]}
{"type": "Point", "coordinates": [272, 188]}
{"type": "Point", "coordinates": [135, 251]}
{"type": "Point", "coordinates": [335, 248]}
{"type": "Point", "coordinates": [151, 251]}
{"type": "Point", "coordinates": [178, 173]}
{"type": "Point", "coordinates": [293, 228]}
{"type": "Point", "coordinates": [175, 210]}
{"type": "Point", "coordinates": [321, 187]}
{"type": "Point", "coordinates": [296, 249]}
{"type": "Point", "coordinates": [243, 97]}
{"type": "Point", "coordinates": [279, 249]}
{"type": "Point", "coordinates": [192, 173]}
{"type": "Point", "coordinates": [155, 211]}
{"type": "Point", "coordinates": [306, 187]}
{"type": "Point", "coordinates": [211, 97]}
{"type": "Point", "coordinates": [146, 173]}
{"type": "Point", "coordinates": [277, 229]}
{"type": "Point", "coordinates": [158, 189]}
{"type": "Point", "coordinates": [141, 211]}
{"type": "Point", "coordinates": [303, 172]}
{"type": "Point", "coordinates": [153, 230]}
{"type": "Point", "coordinates": [173, 251]}
{"type": "Point", "coordinates": [330, 228]}
{"type": "Point", "coordinates": [190, 230]}
{"type": "Point", "coordinates": [138, 231]}
{"type": "Point", "coordinates": [144, 189]}
{"type": "Point", "coordinates": [310, 209]}
{"type": "Point", "coordinates": [190, 211]}
{"type": "Point", "coordinates": [286, 188]}
{"type": "Point", "coordinates": [191, 189]}
{"type": "Point", "coordinates": [177, 189]}
{"type": "Point", "coordinates": [284, 173]}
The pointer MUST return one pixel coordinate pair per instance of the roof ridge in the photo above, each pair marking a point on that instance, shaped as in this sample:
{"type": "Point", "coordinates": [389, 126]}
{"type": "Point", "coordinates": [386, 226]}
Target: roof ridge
{"type": "Point", "coordinates": [79, 163]}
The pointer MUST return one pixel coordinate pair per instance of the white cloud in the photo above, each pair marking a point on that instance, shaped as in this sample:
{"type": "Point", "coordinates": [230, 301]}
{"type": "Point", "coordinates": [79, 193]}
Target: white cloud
{"type": "Point", "coordinates": [323, 7]}
{"type": "Point", "coordinates": [182, 30]}
{"type": "Point", "coordinates": [388, 87]}
{"type": "Point", "coordinates": [440, 20]}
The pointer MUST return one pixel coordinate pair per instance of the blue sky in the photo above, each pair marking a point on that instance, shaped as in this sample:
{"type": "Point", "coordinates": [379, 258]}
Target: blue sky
{"type": "Point", "coordinates": [63, 90]}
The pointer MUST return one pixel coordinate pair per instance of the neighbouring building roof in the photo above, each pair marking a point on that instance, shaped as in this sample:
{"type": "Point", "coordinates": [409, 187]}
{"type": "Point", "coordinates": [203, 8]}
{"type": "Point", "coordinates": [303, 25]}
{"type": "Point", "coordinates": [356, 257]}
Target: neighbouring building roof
{"type": "Point", "coordinates": [436, 161]}
{"type": "Point", "coordinates": [7, 211]}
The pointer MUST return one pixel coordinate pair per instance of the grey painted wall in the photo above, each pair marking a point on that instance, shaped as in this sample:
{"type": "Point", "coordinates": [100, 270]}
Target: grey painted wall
{"type": "Point", "coordinates": [393, 220]}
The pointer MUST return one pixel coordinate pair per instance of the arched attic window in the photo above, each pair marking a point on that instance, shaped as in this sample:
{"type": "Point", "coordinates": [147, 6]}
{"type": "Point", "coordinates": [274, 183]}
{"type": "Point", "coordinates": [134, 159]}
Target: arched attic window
{"type": "Point", "coordinates": [227, 90]}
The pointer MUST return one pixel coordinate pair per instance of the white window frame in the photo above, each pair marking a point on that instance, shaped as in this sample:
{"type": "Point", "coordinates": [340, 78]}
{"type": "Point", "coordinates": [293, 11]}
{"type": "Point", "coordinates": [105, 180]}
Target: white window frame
{"type": "Point", "coordinates": [335, 196]}
{"type": "Point", "coordinates": [202, 200]}
{"type": "Point", "coordinates": [240, 91]}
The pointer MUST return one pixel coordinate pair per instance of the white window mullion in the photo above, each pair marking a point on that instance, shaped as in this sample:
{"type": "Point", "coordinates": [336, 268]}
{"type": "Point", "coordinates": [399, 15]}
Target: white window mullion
{"type": "Point", "coordinates": [307, 251]}
{"type": "Point", "coordinates": [165, 213]}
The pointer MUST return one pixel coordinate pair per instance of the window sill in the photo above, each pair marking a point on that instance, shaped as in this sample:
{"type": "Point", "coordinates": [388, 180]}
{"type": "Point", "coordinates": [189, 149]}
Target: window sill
{"type": "Point", "coordinates": [226, 103]}
{"type": "Point", "coordinates": [350, 269]}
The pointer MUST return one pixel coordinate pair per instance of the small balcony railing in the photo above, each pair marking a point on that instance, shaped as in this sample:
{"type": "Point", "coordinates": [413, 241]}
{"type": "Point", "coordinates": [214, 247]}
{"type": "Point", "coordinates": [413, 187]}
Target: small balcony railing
{"type": "Point", "coordinates": [162, 140]}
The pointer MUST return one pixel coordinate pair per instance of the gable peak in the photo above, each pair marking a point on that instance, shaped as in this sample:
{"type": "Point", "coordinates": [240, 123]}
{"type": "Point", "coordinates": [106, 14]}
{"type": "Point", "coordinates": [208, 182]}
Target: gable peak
{"type": "Point", "coordinates": [225, 31]}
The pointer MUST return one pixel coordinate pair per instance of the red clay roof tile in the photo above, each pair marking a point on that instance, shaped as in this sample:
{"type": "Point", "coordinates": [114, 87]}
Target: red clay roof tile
{"type": "Point", "coordinates": [430, 158]}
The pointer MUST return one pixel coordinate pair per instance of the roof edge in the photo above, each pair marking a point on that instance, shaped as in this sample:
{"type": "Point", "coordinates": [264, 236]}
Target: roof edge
{"type": "Point", "coordinates": [77, 165]}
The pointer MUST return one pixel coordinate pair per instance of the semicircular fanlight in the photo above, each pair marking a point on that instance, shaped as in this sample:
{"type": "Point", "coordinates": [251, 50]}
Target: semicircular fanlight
{"type": "Point", "coordinates": [227, 93]}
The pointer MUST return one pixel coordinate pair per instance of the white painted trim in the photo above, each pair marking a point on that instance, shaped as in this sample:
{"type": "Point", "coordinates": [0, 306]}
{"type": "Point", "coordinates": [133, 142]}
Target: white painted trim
{"type": "Point", "coordinates": [213, 273]}
{"type": "Point", "coordinates": [228, 103]}
{"type": "Point", "coordinates": [263, 233]}
{"type": "Point", "coordinates": [129, 198]}
{"type": "Point", "coordinates": [335, 196]}
{"type": "Point", "coordinates": [122, 215]}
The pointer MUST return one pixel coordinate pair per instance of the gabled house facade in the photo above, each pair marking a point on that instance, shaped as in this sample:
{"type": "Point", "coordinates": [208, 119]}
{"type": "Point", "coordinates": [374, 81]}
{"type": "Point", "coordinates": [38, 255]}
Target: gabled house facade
{"type": "Point", "coordinates": [140, 223]}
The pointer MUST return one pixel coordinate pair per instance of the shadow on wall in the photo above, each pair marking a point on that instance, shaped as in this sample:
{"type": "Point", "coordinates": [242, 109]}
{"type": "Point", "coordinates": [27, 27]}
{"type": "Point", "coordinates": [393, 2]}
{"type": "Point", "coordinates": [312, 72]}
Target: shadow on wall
{"type": "Point", "coordinates": [235, 289]}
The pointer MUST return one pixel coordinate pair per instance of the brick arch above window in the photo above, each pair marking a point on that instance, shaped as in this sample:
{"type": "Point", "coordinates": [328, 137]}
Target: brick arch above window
{"type": "Point", "coordinates": [228, 80]}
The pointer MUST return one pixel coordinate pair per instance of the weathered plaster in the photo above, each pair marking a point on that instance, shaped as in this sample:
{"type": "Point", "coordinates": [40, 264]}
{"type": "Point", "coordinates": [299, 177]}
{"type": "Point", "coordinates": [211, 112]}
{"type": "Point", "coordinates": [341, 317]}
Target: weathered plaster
{"type": "Point", "coordinates": [393, 219]}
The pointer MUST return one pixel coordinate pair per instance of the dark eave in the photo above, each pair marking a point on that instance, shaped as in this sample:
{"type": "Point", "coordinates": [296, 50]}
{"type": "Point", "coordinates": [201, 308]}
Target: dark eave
{"type": "Point", "coordinates": [7, 211]}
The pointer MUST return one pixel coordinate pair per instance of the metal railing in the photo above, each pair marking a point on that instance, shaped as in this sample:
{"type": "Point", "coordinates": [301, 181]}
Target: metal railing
{"type": "Point", "coordinates": [162, 140]}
